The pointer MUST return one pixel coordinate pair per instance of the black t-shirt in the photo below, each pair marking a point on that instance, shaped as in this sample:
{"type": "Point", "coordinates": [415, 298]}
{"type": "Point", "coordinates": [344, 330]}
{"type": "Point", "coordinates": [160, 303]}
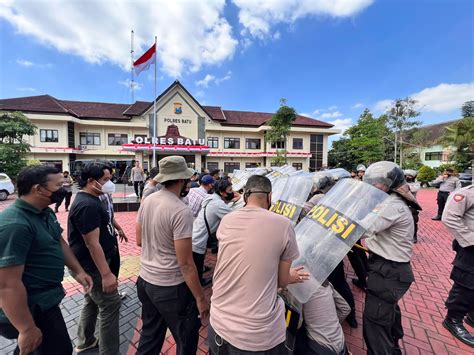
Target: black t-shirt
{"type": "Point", "coordinates": [86, 214]}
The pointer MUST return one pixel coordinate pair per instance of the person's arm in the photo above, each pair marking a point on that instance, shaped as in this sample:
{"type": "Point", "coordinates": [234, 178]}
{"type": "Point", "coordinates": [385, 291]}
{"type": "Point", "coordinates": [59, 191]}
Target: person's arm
{"type": "Point", "coordinates": [453, 218]}
{"type": "Point", "coordinates": [184, 254]}
{"type": "Point", "coordinates": [13, 299]}
{"type": "Point", "coordinates": [121, 233]}
{"type": "Point", "coordinates": [138, 234]}
{"type": "Point", "coordinates": [458, 184]}
{"type": "Point", "coordinates": [109, 281]}
{"type": "Point", "coordinates": [132, 174]}
{"type": "Point", "coordinates": [284, 273]}
{"type": "Point", "coordinates": [77, 271]}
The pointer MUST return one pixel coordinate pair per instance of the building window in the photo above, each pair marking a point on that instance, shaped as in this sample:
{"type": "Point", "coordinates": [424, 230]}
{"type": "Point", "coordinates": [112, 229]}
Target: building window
{"type": "Point", "coordinates": [251, 165]}
{"type": "Point", "coordinates": [212, 166]}
{"type": "Point", "coordinates": [58, 164]}
{"type": "Point", "coordinates": [298, 166]}
{"type": "Point", "coordinates": [117, 139]}
{"type": "Point", "coordinates": [274, 163]}
{"type": "Point", "coordinates": [230, 167]}
{"type": "Point", "coordinates": [49, 135]}
{"type": "Point", "coordinates": [231, 143]}
{"type": "Point", "coordinates": [252, 143]}
{"type": "Point", "coordinates": [278, 145]}
{"type": "Point", "coordinates": [434, 156]}
{"type": "Point", "coordinates": [297, 143]}
{"type": "Point", "coordinates": [88, 138]}
{"type": "Point", "coordinates": [213, 142]}
{"type": "Point", "coordinates": [316, 149]}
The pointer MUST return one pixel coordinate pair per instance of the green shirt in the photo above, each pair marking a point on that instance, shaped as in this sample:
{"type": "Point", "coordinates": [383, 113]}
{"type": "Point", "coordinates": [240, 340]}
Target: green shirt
{"type": "Point", "coordinates": [31, 237]}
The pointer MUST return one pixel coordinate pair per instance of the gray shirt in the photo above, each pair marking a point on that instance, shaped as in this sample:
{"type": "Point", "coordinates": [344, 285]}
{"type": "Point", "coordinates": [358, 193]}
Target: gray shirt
{"type": "Point", "coordinates": [391, 235]}
{"type": "Point", "coordinates": [414, 186]}
{"type": "Point", "coordinates": [67, 183]}
{"type": "Point", "coordinates": [149, 189]}
{"type": "Point", "coordinates": [138, 174]}
{"type": "Point", "coordinates": [449, 184]}
{"type": "Point", "coordinates": [216, 209]}
{"type": "Point", "coordinates": [458, 215]}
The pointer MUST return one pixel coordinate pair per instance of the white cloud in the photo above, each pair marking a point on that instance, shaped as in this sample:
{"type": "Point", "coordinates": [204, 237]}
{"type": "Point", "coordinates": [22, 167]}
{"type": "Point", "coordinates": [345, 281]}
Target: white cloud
{"type": "Point", "coordinates": [30, 64]}
{"type": "Point", "coordinates": [258, 16]}
{"type": "Point", "coordinates": [332, 108]}
{"type": "Point", "coordinates": [317, 111]}
{"type": "Point", "coordinates": [205, 82]}
{"type": "Point", "coordinates": [444, 97]}
{"type": "Point", "coordinates": [357, 105]}
{"type": "Point", "coordinates": [27, 89]}
{"type": "Point", "coordinates": [438, 99]}
{"type": "Point", "coordinates": [342, 124]}
{"type": "Point", "coordinates": [190, 33]}
{"type": "Point", "coordinates": [128, 83]}
{"type": "Point", "coordinates": [333, 114]}
{"type": "Point", "coordinates": [209, 79]}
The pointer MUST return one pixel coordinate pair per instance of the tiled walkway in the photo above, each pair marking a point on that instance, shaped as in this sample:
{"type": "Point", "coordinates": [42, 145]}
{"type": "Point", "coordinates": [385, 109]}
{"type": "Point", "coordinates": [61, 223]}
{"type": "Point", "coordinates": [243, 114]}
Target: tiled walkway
{"type": "Point", "coordinates": [422, 307]}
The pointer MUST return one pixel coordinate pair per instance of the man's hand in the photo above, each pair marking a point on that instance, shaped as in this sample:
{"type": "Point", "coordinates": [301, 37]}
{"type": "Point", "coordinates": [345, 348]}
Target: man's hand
{"type": "Point", "coordinates": [109, 283]}
{"type": "Point", "coordinates": [85, 280]}
{"type": "Point", "coordinates": [122, 236]}
{"type": "Point", "coordinates": [203, 308]}
{"type": "Point", "coordinates": [298, 275]}
{"type": "Point", "coordinates": [29, 340]}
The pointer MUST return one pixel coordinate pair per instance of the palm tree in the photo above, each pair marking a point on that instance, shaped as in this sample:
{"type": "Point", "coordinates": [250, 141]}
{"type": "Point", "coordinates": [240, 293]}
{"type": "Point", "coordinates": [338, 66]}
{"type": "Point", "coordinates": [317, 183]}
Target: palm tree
{"type": "Point", "coordinates": [461, 136]}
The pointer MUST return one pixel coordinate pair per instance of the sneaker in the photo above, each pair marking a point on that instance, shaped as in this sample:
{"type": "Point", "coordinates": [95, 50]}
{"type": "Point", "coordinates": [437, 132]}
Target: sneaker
{"type": "Point", "coordinates": [436, 218]}
{"type": "Point", "coordinates": [93, 345]}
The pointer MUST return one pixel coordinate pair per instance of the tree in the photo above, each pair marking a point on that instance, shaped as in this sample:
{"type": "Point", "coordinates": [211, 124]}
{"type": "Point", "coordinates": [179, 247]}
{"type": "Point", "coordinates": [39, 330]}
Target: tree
{"type": "Point", "coordinates": [280, 125]}
{"type": "Point", "coordinates": [400, 117]}
{"type": "Point", "coordinates": [467, 109]}
{"type": "Point", "coordinates": [341, 154]}
{"type": "Point", "coordinates": [461, 136]}
{"type": "Point", "coordinates": [426, 174]}
{"type": "Point", "coordinates": [14, 126]}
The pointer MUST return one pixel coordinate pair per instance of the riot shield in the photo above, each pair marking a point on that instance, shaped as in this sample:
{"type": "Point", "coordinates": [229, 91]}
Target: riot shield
{"type": "Point", "coordinates": [327, 233]}
{"type": "Point", "coordinates": [240, 179]}
{"type": "Point", "coordinates": [338, 173]}
{"type": "Point", "coordinates": [280, 171]}
{"type": "Point", "coordinates": [292, 196]}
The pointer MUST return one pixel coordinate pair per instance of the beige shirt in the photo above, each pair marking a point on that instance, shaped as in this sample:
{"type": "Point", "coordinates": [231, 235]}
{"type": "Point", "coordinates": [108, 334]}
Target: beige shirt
{"type": "Point", "coordinates": [313, 201]}
{"type": "Point", "coordinates": [245, 309]}
{"type": "Point", "coordinates": [321, 319]}
{"type": "Point", "coordinates": [164, 219]}
{"type": "Point", "coordinates": [450, 184]}
{"type": "Point", "coordinates": [458, 215]}
{"type": "Point", "coordinates": [391, 235]}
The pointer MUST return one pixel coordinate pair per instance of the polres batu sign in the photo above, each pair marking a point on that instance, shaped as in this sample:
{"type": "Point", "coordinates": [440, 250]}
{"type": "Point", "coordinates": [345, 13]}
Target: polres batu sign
{"type": "Point", "coordinates": [166, 141]}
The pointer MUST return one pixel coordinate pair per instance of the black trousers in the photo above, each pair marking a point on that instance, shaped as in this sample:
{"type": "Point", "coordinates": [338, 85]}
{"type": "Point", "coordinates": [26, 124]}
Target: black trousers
{"type": "Point", "coordinates": [138, 185]}
{"type": "Point", "coordinates": [199, 261]}
{"type": "Point", "coordinates": [460, 301]}
{"type": "Point", "coordinates": [163, 307]}
{"type": "Point", "coordinates": [56, 339]}
{"type": "Point", "coordinates": [338, 280]}
{"type": "Point", "coordinates": [306, 346]}
{"type": "Point", "coordinates": [219, 346]}
{"type": "Point", "coordinates": [415, 213]}
{"type": "Point", "coordinates": [67, 198]}
{"type": "Point", "coordinates": [358, 259]}
{"type": "Point", "coordinates": [442, 198]}
{"type": "Point", "coordinates": [387, 282]}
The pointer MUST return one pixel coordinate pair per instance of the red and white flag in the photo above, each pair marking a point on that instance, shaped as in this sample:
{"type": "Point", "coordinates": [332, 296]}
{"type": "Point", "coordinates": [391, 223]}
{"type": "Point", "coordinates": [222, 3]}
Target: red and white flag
{"type": "Point", "coordinates": [144, 62]}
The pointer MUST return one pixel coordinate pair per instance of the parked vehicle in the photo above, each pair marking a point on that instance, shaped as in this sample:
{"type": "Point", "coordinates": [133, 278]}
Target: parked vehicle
{"type": "Point", "coordinates": [466, 178]}
{"type": "Point", "coordinates": [6, 187]}
{"type": "Point", "coordinates": [121, 173]}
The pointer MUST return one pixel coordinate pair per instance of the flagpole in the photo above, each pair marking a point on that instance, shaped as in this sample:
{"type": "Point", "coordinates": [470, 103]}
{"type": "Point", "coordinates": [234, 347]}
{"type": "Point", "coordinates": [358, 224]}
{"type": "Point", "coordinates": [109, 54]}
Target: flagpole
{"type": "Point", "coordinates": [154, 114]}
{"type": "Point", "coordinates": [132, 83]}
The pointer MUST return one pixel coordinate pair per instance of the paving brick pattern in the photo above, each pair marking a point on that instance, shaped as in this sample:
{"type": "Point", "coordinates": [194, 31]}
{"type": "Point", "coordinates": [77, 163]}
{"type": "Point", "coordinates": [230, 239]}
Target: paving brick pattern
{"type": "Point", "coordinates": [422, 307]}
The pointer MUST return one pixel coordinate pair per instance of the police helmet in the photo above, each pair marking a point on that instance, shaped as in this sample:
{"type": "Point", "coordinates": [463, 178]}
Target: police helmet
{"type": "Point", "coordinates": [386, 173]}
{"type": "Point", "coordinates": [410, 172]}
{"type": "Point", "coordinates": [323, 181]}
{"type": "Point", "coordinates": [361, 167]}
{"type": "Point", "coordinates": [339, 173]}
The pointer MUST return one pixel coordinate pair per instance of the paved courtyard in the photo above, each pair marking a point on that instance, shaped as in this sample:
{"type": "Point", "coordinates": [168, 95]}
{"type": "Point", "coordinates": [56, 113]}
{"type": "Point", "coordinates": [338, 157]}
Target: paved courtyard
{"type": "Point", "coordinates": [422, 307]}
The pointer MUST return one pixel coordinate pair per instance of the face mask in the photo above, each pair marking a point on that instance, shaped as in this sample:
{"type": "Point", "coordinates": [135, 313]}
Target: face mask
{"type": "Point", "coordinates": [229, 196]}
{"type": "Point", "coordinates": [211, 191]}
{"type": "Point", "coordinates": [108, 187]}
{"type": "Point", "coordinates": [184, 191]}
{"type": "Point", "coordinates": [58, 195]}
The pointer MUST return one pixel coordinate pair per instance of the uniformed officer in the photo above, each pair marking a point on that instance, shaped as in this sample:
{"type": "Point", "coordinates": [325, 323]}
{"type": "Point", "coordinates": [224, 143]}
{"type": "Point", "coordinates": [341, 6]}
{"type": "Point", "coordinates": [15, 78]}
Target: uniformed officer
{"type": "Point", "coordinates": [410, 177]}
{"type": "Point", "coordinates": [360, 171]}
{"type": "Point", "coordinates": [447, 184]}
{"type": "Point", "coordinates": [458, 216]}
{"type": "Point", "coordinates": [390, 244]}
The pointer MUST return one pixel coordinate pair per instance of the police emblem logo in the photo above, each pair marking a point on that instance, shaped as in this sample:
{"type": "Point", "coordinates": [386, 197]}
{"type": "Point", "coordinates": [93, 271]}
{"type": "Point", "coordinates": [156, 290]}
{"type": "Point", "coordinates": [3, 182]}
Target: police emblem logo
{"type": "Point", "coordinates": [178, 108]}
{"type": "Point", "coordinates": [458, 197]}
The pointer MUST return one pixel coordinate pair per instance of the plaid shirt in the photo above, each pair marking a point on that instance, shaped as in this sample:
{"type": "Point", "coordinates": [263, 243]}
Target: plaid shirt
{"type": "Point", "coordinates": [195, 197]}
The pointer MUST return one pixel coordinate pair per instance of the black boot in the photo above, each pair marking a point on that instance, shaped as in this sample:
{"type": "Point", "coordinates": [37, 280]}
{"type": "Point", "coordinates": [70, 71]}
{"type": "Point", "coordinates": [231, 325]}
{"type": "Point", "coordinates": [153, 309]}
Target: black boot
{"type": "Point", "coordinates": [415, 239]}
{"type": "Point", "coordinates": [469, 321]}
{"type": "Point", "coordinates": [456, 328]}
{"type": "Point", "coordinates": [436, 218]}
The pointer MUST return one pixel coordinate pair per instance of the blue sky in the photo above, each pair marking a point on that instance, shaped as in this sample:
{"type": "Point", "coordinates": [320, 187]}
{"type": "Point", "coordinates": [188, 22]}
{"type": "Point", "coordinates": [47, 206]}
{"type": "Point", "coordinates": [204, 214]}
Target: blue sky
{"type": "Point", "coordinates": [330, 59]}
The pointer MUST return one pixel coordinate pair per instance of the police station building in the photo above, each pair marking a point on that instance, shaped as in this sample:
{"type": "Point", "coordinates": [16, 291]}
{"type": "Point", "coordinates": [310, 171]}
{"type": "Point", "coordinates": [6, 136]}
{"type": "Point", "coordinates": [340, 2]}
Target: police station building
{"type": "Point", "coordinates": [72, 132]}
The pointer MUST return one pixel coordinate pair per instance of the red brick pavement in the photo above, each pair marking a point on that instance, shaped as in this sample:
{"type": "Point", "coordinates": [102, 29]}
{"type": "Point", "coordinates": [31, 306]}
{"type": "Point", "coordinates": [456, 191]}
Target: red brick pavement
{"type": "Point", "coordinates": [422, 307]}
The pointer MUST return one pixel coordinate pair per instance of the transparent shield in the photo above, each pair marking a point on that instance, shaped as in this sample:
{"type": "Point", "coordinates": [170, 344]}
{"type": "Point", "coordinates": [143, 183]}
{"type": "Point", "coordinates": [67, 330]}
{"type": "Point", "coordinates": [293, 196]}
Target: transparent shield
{"type": "Point", "coordinates": [327, 233]}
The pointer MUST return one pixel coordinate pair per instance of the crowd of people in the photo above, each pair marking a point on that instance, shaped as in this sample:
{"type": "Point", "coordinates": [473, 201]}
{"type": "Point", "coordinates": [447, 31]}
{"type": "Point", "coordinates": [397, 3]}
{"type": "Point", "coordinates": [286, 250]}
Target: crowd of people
{"type": "Point", "coordinates": [184, 215]}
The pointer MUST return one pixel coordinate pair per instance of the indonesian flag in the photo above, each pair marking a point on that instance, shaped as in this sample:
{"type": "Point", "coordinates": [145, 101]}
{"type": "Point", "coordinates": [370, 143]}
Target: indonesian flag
{"type": "Point", "coordinates": [144, 62]}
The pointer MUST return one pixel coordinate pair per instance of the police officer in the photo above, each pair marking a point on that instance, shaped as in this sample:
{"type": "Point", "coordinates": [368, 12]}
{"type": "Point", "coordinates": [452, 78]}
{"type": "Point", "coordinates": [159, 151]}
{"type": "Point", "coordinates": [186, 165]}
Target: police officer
{"type": "Point", "coordinates": [447, 184]}
{"type": "Point", "coordinates": [458, 216]}
{"type": "Point", "coordinates": [360, 171]}
{"type": "Point", "coordinates": [390, 244]}
{"type": "Point", "coordinates": [410, 177]}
